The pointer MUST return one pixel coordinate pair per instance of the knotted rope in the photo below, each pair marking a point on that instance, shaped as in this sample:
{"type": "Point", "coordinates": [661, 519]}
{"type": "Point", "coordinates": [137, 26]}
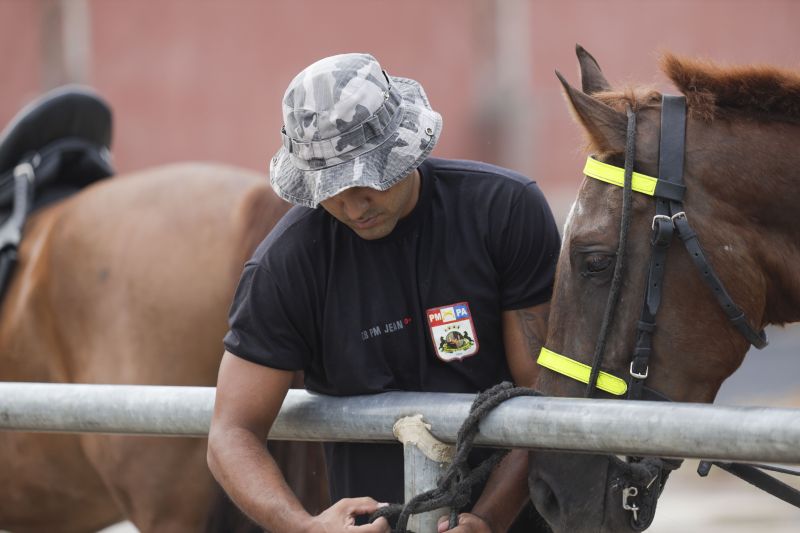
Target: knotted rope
{"type": "Point", "coordinates": [455, 485]}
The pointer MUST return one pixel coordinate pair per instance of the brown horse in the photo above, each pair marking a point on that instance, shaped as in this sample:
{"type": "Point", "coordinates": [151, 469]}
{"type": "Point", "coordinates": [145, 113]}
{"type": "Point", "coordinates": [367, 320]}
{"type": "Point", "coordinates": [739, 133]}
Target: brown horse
{"type": "Point", "coordinates": [129, 281]}
{"type": "Point", "coordinates": [742, 187]}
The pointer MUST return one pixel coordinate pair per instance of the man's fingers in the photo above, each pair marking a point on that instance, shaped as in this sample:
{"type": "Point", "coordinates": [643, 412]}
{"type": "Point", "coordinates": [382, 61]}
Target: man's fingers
{"type": "Point", "coordinates": [378, 526]}
{"type": "Point", "coordinates": [358, 506]}
{"type": "Point", "coordinates": [467, 523]}
{"type": "Point", "coordinates": [362, 505]}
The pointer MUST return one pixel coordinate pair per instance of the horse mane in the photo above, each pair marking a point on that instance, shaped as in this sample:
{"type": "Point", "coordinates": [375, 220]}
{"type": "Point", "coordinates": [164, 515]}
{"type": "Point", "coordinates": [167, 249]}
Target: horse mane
{"type": "Point", "coordinates": [711, 88]}
{"type": "Point", "coordinates": [755, 89]}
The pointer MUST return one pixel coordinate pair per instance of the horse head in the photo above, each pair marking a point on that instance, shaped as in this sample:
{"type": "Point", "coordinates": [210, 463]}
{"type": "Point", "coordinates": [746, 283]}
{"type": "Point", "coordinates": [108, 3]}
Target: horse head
{"type": "Point", "coordinates": [659, 321]}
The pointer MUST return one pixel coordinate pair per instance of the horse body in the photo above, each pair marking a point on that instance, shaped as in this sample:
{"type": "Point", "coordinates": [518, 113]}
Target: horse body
{"type": "Point", "coordinates": [742, 184]}
{"type": "Point", "coordinates": [128, 281]}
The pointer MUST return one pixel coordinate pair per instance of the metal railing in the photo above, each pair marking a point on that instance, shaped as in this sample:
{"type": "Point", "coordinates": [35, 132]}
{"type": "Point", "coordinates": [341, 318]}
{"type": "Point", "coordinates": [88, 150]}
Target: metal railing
{"type": "Point", "coordinates": [571, 424]}
{"type": "Point", "coordinates": [582, 425]}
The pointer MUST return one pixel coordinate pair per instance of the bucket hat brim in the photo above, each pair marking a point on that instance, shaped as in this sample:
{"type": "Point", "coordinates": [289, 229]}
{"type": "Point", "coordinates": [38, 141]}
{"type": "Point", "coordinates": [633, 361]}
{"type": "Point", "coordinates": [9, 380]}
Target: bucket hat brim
{"type": "Point", "coordinates": [380, 167]}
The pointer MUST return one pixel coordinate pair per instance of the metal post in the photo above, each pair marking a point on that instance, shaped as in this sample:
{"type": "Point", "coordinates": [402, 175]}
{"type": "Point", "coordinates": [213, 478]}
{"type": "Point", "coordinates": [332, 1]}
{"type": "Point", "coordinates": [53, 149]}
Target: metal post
{"type": "Point", "coordinates": [425, 459]}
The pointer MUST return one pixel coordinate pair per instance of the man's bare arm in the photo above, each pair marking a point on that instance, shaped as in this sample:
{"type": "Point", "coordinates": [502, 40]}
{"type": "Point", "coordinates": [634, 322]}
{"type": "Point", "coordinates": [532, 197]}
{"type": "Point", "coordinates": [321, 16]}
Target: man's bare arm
{"type": "Point", "coordinates": [248, 399]}
{"type": "Point", "coordinates": [506, 492]}
{"type": "Point", "coordinates": [524, 333]}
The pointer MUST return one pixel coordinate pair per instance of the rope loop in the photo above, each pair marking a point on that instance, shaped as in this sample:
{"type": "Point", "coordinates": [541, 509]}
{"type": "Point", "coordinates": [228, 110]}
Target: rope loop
{"type": "Point", "coordinates": [455, 486]}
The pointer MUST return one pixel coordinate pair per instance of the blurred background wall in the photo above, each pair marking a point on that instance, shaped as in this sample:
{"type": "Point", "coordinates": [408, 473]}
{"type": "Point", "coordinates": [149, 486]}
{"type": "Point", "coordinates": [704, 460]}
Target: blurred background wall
{"type": "Point", "coordinates": [203, 79]}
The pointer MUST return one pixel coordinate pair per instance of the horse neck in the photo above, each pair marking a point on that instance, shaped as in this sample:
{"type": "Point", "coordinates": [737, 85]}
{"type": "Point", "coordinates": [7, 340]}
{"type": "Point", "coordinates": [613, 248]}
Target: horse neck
{"type": "Point", "coordinates": [754, 184]}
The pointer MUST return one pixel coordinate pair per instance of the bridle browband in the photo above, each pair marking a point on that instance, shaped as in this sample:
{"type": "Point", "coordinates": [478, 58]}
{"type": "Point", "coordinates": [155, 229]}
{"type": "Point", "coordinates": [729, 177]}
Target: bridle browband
{"type": "Point", "coordinates": [646, 477]}
{"type": "Point", "coordinates": [670, 217]}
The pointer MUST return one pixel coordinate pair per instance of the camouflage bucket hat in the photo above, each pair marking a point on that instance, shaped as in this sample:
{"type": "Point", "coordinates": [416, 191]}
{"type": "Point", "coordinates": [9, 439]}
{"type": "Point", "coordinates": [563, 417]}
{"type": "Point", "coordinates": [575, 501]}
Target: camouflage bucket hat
{"type": "Point", "coordinates": [347, 123]}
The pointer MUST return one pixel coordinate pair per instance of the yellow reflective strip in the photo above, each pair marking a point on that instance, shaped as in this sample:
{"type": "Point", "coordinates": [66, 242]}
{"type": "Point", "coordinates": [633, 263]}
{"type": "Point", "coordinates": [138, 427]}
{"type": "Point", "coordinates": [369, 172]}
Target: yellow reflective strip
{"type": "Point", "coordinates": [580, 372]}
{"type": "Point", "coordinates": [616, 176]}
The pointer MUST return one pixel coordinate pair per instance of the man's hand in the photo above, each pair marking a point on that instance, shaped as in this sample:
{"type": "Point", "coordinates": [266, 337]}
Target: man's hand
{"type": "Point", "coordinates": [341, 517]}
{"type": "Point", "coordinates": [467, 523]}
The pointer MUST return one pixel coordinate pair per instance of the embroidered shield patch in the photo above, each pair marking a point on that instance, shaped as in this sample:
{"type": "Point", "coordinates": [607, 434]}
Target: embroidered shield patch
{"type": "Point", "coordinates": [452, 331]}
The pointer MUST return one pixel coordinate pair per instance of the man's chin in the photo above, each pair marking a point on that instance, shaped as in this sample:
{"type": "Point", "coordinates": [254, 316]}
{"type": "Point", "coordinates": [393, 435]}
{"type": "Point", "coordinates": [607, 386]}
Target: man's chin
{"type": "Point", "coordinates": [378, 231]}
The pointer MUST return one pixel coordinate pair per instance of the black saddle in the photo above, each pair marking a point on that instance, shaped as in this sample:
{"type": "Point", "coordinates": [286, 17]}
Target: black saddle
{"type": "Point", "coordinates": [53, 147]}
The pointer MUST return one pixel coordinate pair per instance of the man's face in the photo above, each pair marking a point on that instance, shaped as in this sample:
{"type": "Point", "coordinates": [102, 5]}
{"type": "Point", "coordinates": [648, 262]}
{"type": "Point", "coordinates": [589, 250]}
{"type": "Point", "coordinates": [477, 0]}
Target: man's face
{"type": "Point", "coordinates": [373, 214]}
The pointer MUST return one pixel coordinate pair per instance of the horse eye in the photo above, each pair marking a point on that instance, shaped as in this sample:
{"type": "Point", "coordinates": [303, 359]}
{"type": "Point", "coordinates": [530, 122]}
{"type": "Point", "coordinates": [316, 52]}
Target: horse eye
{"type": "Point", "coordinates": [596, 264]}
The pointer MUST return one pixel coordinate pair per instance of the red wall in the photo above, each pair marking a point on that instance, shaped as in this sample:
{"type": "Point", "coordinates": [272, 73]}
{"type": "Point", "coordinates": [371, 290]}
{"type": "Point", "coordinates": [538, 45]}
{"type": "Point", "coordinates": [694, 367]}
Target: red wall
{"type": "Point", "coordinates": [202, 79]}
{"type": "Point", "coordinates": [19, 55]}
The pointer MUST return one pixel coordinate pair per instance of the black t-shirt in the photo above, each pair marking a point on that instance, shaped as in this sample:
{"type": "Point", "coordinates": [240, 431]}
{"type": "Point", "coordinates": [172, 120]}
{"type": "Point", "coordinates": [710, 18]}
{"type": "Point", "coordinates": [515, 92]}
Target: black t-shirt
{"type": "Point", "coordinates": [417, 310]}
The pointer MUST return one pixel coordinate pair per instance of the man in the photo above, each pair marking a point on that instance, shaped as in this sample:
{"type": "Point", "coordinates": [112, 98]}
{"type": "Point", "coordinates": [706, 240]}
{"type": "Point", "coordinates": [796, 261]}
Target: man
{"type": "Point", "coordinates": [416, 274]}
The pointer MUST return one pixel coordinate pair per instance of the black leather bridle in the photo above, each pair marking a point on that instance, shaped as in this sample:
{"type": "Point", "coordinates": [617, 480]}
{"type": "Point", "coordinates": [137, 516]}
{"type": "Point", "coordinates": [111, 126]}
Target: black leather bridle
{"type": "Point", "coordinates": [643, 479]}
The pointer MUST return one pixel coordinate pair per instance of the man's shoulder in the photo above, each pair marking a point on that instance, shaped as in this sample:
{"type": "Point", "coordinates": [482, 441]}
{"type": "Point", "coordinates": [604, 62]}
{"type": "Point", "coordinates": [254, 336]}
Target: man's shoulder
{"type": "Point", "coordinates": [293, 232]}
{"type": "Point", "coordinates": [487, 186]}
{"type": "Point", "coordinates": [478, 169]}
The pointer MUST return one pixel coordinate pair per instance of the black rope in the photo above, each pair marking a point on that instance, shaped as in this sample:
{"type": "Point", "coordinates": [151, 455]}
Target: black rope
{"type": "Point", "coordinates": [616, 282]}
{"type": "Point", "coordinates": [455, 486]}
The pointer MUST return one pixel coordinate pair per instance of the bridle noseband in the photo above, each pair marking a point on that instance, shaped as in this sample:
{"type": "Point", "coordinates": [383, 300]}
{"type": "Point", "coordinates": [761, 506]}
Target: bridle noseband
{"type": "Point", "coordinates": [670, 218]}
{"type": "Point", "coordinates": [644, 478]}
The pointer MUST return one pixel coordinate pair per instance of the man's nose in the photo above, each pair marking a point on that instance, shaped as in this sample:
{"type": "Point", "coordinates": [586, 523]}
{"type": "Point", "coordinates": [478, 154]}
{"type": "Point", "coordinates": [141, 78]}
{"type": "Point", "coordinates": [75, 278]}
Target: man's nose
{"type": "Point", "coordinates": [355, 203]}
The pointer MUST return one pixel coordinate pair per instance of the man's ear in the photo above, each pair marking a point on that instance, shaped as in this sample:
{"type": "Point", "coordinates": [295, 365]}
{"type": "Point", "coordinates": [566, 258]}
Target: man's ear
{"type": "Point", "coordinates": [592, 78]}
{"type": "Point", "coordinates": [604, 125]}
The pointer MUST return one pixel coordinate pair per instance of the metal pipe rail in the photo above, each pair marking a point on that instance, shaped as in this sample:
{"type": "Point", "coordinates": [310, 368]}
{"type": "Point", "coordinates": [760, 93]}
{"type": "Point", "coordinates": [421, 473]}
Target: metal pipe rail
{"type": "Point", "coordinates": [571, 424]}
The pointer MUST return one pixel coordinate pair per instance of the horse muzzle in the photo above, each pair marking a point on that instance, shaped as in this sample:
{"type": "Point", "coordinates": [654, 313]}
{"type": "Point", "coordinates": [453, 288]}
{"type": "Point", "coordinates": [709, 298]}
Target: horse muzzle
{"type": "Point", "coordinates": [582, 493]}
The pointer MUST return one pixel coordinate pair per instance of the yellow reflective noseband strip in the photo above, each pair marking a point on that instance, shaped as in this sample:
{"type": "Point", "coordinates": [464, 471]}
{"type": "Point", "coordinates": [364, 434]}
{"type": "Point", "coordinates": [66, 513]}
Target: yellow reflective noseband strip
{"type": "Point", "coordinates": [580, 372]}
{"type": "Point", "coordinates": [616, 176]}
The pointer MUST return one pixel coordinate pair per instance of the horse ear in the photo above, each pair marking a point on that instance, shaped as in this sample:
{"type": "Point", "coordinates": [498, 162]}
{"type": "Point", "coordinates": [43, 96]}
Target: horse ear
{"type": "Point", "coordinates": [605, 126]}
{"type": "Point", "coordinates": [592, 78]}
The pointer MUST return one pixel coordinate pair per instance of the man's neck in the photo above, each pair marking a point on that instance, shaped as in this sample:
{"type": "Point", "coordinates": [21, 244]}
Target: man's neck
{"type": "Point", "coordinates": [414, 198]}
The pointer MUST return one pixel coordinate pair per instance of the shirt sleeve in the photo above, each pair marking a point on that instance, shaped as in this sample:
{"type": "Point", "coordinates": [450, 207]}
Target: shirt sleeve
{"type": "Point", "coordinates": [529, 244]}
{"type": "Point", "coordinates": [261, 326]}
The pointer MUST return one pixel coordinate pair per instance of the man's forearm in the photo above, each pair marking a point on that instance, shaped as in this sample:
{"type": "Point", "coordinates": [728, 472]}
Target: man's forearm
{"type": "Point", "coordinates": [242, 465]}
{"type": "Point", "coordinates": [505, 493]}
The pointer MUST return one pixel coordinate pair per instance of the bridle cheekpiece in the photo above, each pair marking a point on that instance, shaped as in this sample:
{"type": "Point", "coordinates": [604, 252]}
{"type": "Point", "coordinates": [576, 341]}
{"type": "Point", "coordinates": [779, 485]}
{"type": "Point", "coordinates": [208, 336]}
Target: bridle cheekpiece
{"type": "Point", "coordinates": [643, 479]}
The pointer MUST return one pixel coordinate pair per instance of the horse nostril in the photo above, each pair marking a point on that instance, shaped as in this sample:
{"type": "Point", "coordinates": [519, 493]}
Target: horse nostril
{"type": "Point", "coordinates": [544, 498]}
